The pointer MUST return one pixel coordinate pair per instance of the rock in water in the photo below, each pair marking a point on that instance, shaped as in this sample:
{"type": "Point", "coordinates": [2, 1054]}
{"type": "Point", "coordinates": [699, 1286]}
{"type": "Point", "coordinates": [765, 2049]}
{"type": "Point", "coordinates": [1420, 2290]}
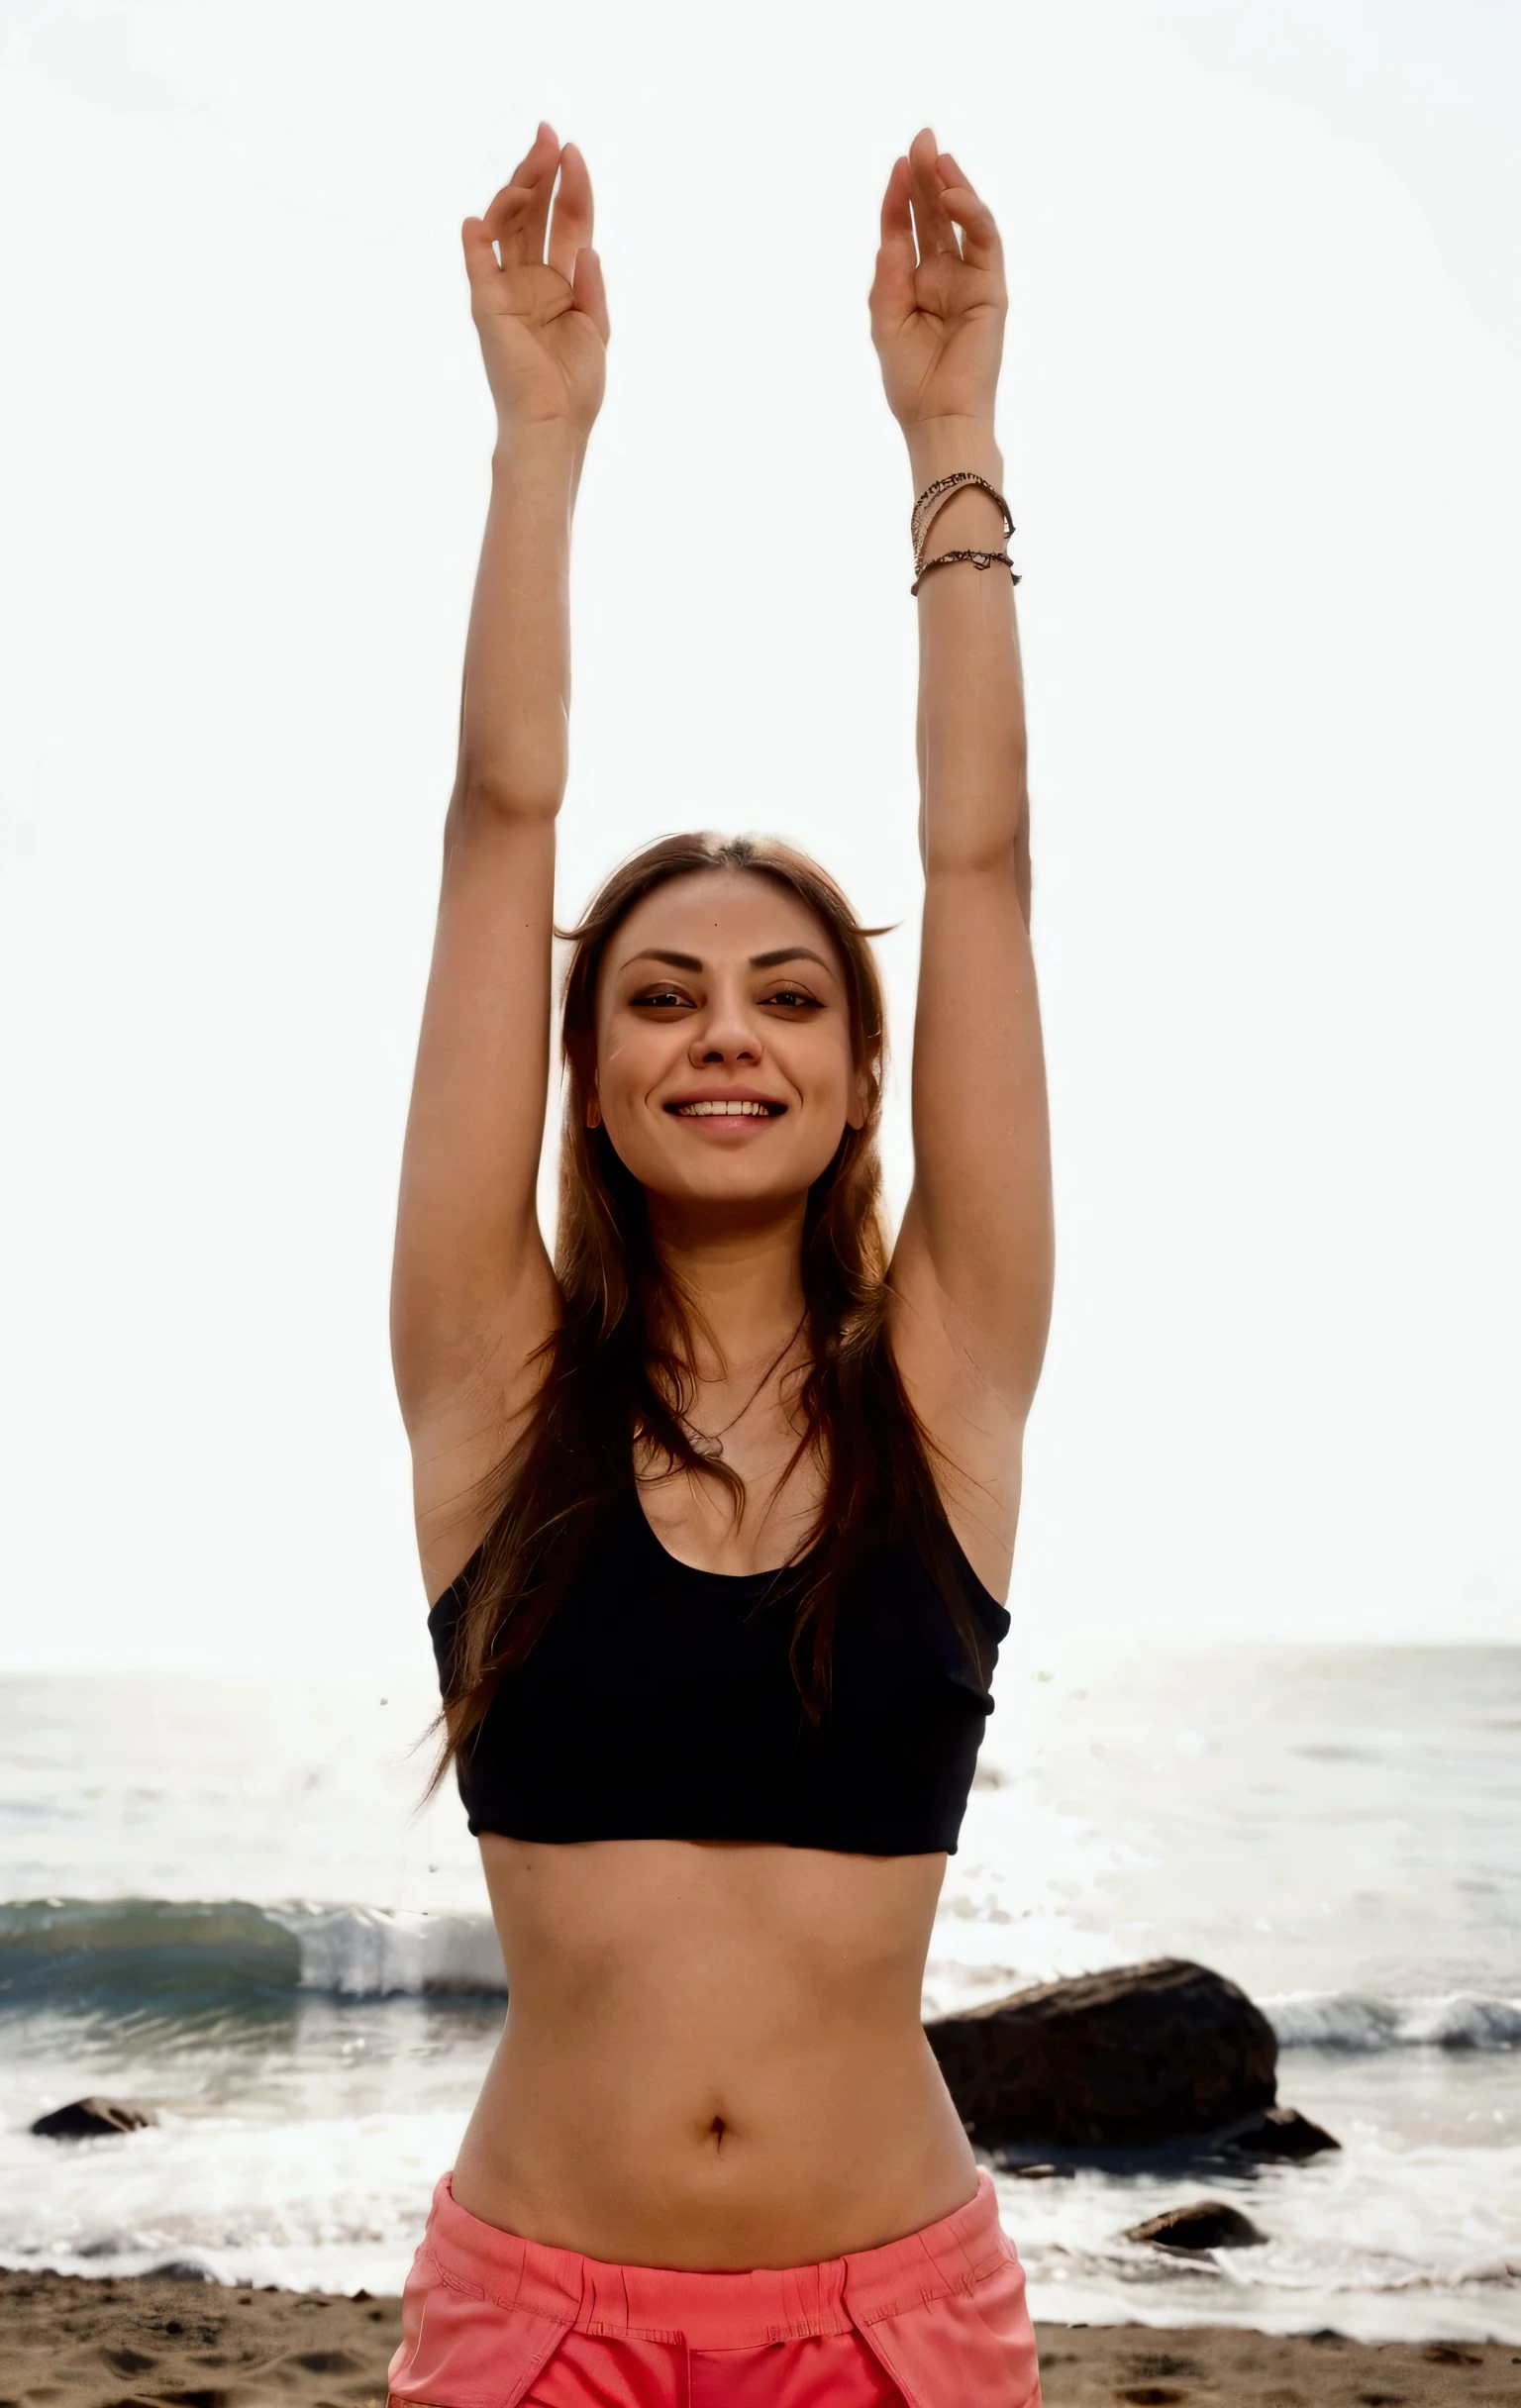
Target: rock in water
{"type": "Point", "coordinates": [84, 2119]}
{"type": "Point", "coordinates": [1128, 2058]}
{"type": "Point", "coordinates": [1283, 2132]}
{"type": "Point", "coordinates": [1207, 2225]}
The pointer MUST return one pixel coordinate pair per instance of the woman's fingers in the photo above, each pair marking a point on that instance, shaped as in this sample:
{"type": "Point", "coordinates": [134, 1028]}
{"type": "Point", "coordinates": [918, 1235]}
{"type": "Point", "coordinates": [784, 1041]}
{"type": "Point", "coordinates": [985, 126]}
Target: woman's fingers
{"type": "Point", "coordinates": [520, 211]}
{"type": "Point", "coordinates": [571, 227]}
{"type": "Point", "coordinates": [540, 176]}
{"type": "Point", "coordinates": [523, 173]}
{"type": "Point", "coordinates": [892, 288]}
{"type": "Point", "coordinates": [980, 244]}
{"type": "Point", "coordinates": [932, 221]}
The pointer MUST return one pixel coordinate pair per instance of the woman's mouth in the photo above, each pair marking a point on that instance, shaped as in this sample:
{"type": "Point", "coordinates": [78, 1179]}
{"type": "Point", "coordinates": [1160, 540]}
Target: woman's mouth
{"type": "Point", "coordinates": [727, 1107]}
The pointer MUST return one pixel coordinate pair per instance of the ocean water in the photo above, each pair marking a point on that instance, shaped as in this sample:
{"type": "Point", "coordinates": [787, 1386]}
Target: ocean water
{"type": "Point", "coordinates": [220, 1898]}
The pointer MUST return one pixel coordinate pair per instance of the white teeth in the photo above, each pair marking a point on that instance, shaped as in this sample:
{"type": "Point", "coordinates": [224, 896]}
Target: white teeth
{"type": "Point", "coordinates": [720, 1108]}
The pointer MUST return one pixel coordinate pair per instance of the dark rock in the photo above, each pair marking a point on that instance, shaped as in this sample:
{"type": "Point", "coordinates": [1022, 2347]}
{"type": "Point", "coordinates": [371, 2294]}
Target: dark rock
{"type": "Point", "coordinates": [1132, 2057]}
{"type": "Point", "coordinates": [1207, 2225]}
{"type": "Point", "coordinates": [1283, 2132]}
{"type": "Point", "coordinates": [85, 2119]}
{"type": "Point", "coordinates": [129, 2362]}
{"type": "Point", "coordinates": [180, 2270]}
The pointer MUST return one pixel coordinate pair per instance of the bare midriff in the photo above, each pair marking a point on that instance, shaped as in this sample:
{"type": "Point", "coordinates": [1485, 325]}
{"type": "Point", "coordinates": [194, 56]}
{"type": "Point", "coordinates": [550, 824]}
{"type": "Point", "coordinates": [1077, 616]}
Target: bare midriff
{"type": "Point", "coordinates": [713, 2055]}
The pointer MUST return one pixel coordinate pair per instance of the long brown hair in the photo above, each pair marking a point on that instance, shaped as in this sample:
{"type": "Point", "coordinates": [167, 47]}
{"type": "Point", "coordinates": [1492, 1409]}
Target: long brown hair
{"type": "Point", "coordinates": [618, 1367]}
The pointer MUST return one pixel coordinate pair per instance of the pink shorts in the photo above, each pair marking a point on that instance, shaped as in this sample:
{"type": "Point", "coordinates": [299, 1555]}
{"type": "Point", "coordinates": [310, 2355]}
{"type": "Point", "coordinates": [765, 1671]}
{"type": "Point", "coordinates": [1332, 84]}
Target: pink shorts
{"type": "Point", "coordinates": [935, 2321]}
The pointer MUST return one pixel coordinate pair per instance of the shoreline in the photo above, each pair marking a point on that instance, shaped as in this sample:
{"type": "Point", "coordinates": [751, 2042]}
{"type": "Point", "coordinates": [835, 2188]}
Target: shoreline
{"type": "Point", "coordinates": [75, 2341]}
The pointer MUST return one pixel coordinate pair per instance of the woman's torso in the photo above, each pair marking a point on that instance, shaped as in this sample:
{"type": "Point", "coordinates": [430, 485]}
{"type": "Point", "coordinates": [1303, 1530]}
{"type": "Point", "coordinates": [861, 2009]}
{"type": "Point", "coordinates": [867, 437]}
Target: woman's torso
{"type": "Point", "coordinates": [713, 2054]}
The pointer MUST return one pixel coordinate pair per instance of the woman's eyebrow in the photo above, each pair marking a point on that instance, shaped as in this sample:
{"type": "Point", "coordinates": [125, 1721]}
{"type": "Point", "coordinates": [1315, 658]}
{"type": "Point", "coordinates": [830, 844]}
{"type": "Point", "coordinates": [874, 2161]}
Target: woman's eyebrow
{"type": "Point", "coordinates": [757, 962]}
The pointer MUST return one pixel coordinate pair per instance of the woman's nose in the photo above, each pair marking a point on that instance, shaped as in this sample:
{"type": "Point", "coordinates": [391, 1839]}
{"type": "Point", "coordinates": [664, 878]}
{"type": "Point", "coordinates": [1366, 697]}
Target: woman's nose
{"type": "Point", "coordinates": [726, 1035]}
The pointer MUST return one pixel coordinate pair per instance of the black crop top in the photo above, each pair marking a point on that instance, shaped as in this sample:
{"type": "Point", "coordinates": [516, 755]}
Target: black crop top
{"type": "Point", "coordinates": [658, 1703]}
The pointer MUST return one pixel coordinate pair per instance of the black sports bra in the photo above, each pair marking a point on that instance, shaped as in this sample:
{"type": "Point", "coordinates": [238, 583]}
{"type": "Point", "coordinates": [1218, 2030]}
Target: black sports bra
{"type": "Point", "coordinates": [658, 1703]}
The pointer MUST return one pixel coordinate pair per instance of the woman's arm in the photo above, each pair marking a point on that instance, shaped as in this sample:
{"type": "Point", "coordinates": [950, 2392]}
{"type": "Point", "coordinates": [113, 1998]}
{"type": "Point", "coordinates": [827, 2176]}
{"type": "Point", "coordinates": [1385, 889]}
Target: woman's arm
{"type": "Point", "coordinates": [472, 1291]}
{"type": "Point", "coordinates": [972, 1271]}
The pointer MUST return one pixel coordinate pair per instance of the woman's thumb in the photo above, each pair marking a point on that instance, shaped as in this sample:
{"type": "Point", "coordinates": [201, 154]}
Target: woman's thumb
{"type": "Point", "coordinates": [589, 291]}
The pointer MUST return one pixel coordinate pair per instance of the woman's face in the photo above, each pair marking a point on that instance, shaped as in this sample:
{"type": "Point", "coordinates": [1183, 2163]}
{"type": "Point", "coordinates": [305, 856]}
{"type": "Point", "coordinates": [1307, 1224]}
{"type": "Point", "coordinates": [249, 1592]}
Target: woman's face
{"type": "Point", "coordinates": [724, 1071]}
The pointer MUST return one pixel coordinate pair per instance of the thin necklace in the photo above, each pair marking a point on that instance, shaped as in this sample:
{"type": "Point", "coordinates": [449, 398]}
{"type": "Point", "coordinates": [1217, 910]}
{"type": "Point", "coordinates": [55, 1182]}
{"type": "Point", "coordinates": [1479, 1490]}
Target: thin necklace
{"type": "Point", "coordinates": [710, 1442]}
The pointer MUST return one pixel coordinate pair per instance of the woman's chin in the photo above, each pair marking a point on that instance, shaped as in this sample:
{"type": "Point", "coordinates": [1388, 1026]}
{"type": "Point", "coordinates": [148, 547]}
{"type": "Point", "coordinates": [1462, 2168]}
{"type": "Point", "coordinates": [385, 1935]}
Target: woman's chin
{"type": "Point", "coordinates": [728, 1180]}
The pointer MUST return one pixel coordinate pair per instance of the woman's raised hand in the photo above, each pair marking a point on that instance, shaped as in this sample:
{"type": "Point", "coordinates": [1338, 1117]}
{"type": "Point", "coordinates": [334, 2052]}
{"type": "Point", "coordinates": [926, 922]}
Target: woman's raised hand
{"type": "Point", "coordinates": [541, 315]}
{"type": "Point", "coordinates": [938, 311]}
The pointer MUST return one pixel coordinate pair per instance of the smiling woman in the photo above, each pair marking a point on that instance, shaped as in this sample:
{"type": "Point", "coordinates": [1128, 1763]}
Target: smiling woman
{"type": "Point", "coordinates": [717, 1508]}
{"type": "Point", "coordinates": [729, 1010]}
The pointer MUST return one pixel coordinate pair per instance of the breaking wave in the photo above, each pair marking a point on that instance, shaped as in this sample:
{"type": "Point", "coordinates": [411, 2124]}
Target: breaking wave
{"type": "Point", "coordinates": [1334, 2019]}
{"type": "Point", "coordinates": [55, 1947]}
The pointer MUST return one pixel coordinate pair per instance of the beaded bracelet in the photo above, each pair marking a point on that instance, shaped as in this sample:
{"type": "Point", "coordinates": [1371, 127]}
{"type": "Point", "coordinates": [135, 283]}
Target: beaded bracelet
{"type": "Point", "coordinates": [933, 499]}
{"type": "Point", "coordinates": [980, 559]}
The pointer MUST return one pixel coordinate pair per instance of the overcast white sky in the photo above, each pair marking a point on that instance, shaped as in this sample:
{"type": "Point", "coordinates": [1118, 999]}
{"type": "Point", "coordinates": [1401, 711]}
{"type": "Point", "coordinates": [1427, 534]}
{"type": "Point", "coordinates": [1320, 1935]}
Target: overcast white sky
{"type": "Point", "coordinates": [1261, 415]}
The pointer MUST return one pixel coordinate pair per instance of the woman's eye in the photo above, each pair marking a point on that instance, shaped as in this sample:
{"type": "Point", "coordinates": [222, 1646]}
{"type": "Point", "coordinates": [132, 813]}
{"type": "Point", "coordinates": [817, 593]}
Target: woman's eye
{"type": "Point", "coordinates": [792, 997]}
{"type": "Point", "coordinates": [661, 999]}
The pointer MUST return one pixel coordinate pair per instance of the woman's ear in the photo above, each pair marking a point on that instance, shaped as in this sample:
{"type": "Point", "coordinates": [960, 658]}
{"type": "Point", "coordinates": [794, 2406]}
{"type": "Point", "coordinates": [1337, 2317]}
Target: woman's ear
{"type": "Point", "coordinates": [855, 1116]}
{"type": "Point", "coordinates": [593, 1112]}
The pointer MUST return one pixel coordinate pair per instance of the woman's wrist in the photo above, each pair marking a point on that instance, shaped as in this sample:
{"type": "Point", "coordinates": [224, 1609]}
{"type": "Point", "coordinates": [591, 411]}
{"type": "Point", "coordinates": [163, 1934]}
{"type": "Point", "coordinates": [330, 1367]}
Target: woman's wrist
{"type": "Point", "coordinates": [554, 448]}
{"type": "Point", "coordinates": [969, 517]}
{"type": "Point", "coordinates": [936, 445]}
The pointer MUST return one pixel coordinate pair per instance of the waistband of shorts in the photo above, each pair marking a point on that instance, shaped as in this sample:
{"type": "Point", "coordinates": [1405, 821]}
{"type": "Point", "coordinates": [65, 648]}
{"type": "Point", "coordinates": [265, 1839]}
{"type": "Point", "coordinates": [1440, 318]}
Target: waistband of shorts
{"type": "Point", "coordinates": [735, 2311]}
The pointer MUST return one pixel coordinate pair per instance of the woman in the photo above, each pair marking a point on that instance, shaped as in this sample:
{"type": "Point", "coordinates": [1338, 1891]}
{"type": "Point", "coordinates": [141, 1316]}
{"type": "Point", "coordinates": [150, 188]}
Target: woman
{"type": "Point", "coordinates": [717, 1509]}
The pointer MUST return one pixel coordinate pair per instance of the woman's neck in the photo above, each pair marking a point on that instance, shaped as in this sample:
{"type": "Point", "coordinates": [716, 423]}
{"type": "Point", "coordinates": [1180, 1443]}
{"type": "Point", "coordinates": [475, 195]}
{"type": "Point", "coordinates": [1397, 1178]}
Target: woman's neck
{"type": "Point", "coordinates": [744, 1285]}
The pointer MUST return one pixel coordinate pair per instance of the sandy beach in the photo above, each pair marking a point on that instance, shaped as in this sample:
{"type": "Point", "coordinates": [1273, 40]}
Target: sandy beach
{"type": "Point", "coordinates": [154, 2342]}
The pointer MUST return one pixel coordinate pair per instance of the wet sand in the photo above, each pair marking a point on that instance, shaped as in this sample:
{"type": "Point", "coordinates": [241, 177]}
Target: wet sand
{"type": "Point", "coordinates": [154, 2342]}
